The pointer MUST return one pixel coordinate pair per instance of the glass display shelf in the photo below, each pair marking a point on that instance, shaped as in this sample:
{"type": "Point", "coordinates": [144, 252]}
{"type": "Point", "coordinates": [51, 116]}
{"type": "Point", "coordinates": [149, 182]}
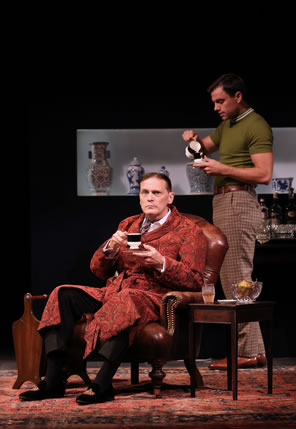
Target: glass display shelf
{"type": "Point", "coordinates": [155, 148]}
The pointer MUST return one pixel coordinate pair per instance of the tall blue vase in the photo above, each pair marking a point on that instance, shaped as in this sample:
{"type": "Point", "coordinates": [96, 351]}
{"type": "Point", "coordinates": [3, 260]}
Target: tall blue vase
{"type": "Point", "coordinates": [135, 172]}
{"type": "Point", "coordinates": [199, 181]}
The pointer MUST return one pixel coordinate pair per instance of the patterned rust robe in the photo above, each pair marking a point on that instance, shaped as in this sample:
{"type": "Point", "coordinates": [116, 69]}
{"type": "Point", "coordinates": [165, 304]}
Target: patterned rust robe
{"type": "Point", "coordinates": [132, 298]}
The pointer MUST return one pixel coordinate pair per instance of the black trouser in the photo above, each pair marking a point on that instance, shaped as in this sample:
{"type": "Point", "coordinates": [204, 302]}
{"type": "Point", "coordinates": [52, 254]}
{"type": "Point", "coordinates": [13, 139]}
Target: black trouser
{"type": "Point", "coordinates": [73, 303]}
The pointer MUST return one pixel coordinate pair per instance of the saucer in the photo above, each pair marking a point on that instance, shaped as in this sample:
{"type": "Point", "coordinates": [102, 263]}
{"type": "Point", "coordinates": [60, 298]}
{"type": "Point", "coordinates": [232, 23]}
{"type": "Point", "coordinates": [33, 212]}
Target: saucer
{"type": "Point", "coordinates": [134, 251]}
{"type": "Point", "coordinates": [197, 161]}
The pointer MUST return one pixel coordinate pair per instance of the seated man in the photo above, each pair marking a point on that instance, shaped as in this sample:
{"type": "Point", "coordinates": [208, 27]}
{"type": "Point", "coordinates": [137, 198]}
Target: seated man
{"type": "Point", "coordinates": [174, 258]}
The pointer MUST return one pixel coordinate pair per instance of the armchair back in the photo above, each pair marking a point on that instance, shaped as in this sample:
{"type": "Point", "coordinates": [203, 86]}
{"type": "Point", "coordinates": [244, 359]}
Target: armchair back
{"type": "Point", "coordinates": [217, 247]}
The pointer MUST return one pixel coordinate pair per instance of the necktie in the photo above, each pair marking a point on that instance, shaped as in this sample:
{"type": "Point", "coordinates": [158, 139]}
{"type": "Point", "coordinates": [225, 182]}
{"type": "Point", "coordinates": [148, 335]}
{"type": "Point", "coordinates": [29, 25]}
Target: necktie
{"type": "Point", "coordinates": [145, 226]}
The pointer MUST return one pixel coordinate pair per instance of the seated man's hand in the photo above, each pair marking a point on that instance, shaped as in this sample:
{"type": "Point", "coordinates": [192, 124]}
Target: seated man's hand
{"type": "Point", "coordinates": [118, 239]}
{"type": "Point", "coordinates": [150, 258]}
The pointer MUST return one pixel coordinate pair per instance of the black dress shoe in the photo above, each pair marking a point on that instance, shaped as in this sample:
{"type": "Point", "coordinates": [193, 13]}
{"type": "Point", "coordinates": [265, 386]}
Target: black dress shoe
{"type": "Point", "coordinates": [95, 395]}
{"type": "Point", "coordinates": [43, 392]}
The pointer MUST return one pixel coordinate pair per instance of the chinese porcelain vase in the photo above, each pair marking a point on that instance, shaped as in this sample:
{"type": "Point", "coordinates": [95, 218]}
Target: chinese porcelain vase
{"type": "Point", "coordinates": [135, 172]}
{"type": "Point", "coordinates": [163, 170]}
{"type": "Point", "coordinates": [99, 172]}
{"type": "Point", "coordinates": [281, 184]}
{"type": "Point", "coordinates": [199, 181]}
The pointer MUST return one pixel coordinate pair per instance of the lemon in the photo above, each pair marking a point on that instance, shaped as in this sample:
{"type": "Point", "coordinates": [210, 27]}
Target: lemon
{"type": "Point", "coordinates": [243, 288]}
{"type": "Point", "coordinates": [245, 284]}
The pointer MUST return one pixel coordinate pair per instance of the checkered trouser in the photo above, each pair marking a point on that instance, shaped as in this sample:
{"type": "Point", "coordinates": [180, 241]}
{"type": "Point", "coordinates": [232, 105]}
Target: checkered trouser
{"type": "Point", "coordinates": [238, 215]}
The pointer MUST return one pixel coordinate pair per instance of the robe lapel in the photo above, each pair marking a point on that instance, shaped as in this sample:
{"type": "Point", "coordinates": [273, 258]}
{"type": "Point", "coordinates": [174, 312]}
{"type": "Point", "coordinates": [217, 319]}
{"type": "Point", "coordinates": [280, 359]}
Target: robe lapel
{"type": "Point", "coordinates": [135, 226]}
{"type": "Point", "coordinates": [172, 222]}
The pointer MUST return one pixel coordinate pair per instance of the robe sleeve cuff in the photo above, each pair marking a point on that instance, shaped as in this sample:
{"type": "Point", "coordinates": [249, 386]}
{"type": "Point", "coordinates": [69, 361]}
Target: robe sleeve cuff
{"type": "Point", "coordinates": [162, 270]}
{"type": "Point", "coordinates": [109, 253]}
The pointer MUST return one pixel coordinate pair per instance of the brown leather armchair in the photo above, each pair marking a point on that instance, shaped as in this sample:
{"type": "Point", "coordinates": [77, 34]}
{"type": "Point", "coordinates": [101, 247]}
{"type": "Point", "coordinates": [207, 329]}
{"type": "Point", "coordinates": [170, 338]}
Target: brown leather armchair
{"type": "Point", "coordinates": [157, 343]}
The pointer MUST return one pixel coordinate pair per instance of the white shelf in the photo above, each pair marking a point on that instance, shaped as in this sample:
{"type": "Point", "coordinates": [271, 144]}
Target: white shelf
{"type": "Point", "coordinates": [157, 147]}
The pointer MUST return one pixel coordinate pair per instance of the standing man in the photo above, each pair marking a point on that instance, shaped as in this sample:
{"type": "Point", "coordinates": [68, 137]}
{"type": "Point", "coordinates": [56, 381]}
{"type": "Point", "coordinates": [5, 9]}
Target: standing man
{"type": "Point", "coordinates": [244, 140]}
{"type": "Point", "coordinates": [173, 259]}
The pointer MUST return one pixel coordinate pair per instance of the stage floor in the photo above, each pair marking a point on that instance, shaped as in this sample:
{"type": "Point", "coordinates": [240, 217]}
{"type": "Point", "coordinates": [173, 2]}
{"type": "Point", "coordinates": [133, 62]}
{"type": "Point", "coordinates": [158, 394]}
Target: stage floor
{"type": "Point", "coordinates": [7, 361]}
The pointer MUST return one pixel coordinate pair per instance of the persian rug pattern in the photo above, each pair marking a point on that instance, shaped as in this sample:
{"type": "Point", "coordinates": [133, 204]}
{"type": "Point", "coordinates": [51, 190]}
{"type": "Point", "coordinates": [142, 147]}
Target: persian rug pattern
{"type": "Point", "coordinates": [135, 407]}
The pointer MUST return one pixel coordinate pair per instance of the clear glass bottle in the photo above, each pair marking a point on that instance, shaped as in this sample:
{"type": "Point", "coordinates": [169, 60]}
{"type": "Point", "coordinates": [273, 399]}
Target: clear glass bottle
{"type": "Point", "coordinates": [264, 233]}
{"type": "Point", "coordinates": [263, 208]}
{"type": "Point", "coordinates": [276, 217]}
{"type": "Point", "coordinates": [290, 209]}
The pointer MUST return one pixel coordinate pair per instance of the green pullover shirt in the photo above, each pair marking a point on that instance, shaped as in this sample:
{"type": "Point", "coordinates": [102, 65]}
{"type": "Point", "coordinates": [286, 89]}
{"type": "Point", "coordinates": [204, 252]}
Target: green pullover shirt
{"type": "Point", "coordinates": [238, 141]}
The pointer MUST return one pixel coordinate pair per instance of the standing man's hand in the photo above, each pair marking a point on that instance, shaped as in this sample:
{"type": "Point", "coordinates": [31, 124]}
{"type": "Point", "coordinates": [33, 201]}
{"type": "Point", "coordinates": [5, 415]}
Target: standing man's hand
{"type": "Point", "coordinates": [190, 135]}
{"type": "Point", "coordinates": [211, 167]}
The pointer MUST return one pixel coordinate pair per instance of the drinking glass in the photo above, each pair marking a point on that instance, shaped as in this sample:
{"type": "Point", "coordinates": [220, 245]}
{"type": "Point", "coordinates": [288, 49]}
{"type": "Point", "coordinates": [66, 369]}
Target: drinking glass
{"type": "Point", "coordinates": [208, 293]}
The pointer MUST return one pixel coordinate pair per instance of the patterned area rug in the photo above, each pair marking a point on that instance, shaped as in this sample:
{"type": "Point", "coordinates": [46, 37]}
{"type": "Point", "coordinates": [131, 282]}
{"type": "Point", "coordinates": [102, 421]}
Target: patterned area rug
{"type": "Point", "coordinates": [135, 407]}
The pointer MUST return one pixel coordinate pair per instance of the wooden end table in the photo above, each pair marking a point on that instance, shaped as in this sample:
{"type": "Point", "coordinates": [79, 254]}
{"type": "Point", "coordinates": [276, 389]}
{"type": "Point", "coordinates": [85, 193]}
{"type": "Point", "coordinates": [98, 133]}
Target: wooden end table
{"type": "Point", "coordinates": [232, 313]}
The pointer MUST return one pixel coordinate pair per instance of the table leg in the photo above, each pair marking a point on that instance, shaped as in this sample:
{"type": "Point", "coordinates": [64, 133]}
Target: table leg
{"type": "Point", "coordinates": [234, 357]}
{"type": "Point", "coordinates": [267, 337]}
{"type": "Point", "coordinates": [229, 359]}
{"type": "Point", "coordinates": [269, 373]}
{"type": "Point", "coordinates": [191, 361]}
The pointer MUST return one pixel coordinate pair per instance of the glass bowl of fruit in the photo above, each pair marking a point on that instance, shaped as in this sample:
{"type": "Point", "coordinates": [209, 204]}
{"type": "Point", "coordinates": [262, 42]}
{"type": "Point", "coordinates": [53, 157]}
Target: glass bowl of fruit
{"type": "Point", "coordinates": [246, 291]}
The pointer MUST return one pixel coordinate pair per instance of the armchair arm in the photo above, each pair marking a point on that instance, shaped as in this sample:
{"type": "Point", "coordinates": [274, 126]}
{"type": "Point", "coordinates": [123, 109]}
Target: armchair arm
{"type": "Point", "coordinates": [173, 301]}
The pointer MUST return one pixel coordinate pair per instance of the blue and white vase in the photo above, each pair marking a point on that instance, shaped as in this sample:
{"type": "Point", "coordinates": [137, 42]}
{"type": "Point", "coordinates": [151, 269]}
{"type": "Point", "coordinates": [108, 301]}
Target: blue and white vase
{"type": "Point", "coordinates": [199, 181]}
{"type": "Point", "coordinates": [281, 184]}
{"type": "Point", "coordinates": [135, 172]}
{"type": "Point", "coordinates": [163, 170]}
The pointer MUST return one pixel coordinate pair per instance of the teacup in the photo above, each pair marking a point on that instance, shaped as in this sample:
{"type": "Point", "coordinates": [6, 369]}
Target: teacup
{"type": "Point", "coordinates": [134, 240]}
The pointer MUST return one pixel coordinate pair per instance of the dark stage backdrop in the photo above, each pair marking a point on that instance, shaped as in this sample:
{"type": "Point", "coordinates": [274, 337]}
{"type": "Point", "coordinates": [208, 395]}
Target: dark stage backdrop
{"type": "Point", "coordinates": [61, 230]}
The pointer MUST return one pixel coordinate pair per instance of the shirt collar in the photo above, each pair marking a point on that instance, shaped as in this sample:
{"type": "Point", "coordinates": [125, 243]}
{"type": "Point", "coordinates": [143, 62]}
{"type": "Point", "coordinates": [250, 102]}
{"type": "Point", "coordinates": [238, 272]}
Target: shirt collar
{"type": "Point", "coordinates": [241, 116]}
{"type": "Point", "coordinates": [158, 222]}
{"type": "Point", "coordinates": [163, 219]}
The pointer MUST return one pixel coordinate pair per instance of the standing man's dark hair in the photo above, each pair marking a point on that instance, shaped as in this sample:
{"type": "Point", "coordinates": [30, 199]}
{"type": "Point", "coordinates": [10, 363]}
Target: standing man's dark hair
{"type": "Point", "coordinates": [231, 83]}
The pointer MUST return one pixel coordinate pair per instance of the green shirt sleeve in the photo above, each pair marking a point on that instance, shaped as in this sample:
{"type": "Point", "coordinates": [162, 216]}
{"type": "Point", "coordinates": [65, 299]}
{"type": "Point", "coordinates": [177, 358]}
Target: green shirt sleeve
{"type": "Point", "coordinates": [260, 137]}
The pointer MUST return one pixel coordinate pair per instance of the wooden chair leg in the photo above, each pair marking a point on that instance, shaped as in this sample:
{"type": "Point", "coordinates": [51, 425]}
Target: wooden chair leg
{"type": "Point", "coordinates": [135, 372]}
{"type": "Point", "coordinates": [157, 375]}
